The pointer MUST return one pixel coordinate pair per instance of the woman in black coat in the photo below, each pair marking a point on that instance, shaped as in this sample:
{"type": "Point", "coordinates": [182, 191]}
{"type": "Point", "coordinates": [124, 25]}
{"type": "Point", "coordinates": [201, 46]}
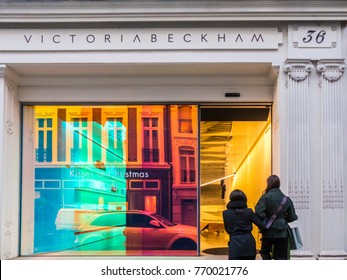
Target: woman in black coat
{"type": "Point", "coordinates": [238, 219]}
{"type": "Point", "coordinates": [275, 238]}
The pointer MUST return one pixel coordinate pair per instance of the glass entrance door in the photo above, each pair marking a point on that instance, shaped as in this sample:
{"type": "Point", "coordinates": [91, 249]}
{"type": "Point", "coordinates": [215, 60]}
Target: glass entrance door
{"type": "Point", "coordinates": [235, 153]}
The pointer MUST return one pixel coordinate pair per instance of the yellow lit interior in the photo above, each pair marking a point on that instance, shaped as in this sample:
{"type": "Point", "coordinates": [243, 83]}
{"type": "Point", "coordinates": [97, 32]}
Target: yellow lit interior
{"type": "Point", "coordinates": [247, 165]}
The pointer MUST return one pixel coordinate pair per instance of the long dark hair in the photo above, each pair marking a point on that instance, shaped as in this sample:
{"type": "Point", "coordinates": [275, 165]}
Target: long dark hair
{"type": "Point", "coordinates": [272, 181]}
{"type": "Point", "coordinates": [238, 195]}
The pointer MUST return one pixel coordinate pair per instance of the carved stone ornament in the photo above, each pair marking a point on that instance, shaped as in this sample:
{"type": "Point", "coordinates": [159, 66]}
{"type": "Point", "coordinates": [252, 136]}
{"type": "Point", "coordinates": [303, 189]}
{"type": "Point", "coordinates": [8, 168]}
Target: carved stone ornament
{"type": "Point", "coordinates": [298, 71]}
{"type": "Point", "coordinates": [8, 223]}
{"type": "Point", "coordinates": [11, 88]}
{"type": "Point", "coordinates": [10, 127]}
{"type": "Point", "coordinates": [331, 71]}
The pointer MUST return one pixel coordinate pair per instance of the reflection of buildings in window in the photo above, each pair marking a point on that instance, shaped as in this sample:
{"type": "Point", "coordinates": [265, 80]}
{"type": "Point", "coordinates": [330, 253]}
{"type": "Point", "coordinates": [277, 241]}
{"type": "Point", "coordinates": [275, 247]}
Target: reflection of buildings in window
{"type": "Point", "coordinates": [79, 150]}
{"type": "Point", "coordinates": [61, 134]}
{"type": "Point", "coordinates": [144, 195]}
{"type": "Point", "coordinates": [115, 140]}
{"type": "Point", "coordinates": [44, 138]}
{"type": "Point", "coordinates": [187, 164]}
{"type": "Point", "coordinates": [150, 152]}
{"type": "Point", "coordinates": [80, 135]}
{"type": "Point", "coordinates": [185, 119]}
{"type": "Point", "coordinates": [132, 135]}
{"type": "Point", "coordinates": [72, 135]}
{"type": "Point", "coordinates": [144, 184]}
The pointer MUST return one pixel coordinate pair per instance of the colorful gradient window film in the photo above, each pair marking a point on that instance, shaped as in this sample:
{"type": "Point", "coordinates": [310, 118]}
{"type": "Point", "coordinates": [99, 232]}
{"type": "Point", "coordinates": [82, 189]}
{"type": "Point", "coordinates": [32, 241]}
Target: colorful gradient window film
{"type": "Point", "coordinates": [115, 179]}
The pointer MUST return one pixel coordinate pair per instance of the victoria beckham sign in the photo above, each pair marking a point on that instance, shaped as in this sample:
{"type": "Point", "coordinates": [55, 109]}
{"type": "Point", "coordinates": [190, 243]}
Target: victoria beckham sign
{"type": "Point", "coordinates": [139, 39]}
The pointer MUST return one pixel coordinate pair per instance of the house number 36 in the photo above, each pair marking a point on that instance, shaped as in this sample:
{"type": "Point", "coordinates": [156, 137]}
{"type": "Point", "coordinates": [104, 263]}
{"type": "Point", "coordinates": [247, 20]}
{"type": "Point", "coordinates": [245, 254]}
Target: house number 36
{"type": "Point", "coordinates": [317, 35]}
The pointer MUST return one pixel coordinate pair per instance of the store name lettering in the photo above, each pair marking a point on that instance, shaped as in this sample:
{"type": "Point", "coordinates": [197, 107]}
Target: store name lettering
{"type": "Point", "coordinates": [138, 38]}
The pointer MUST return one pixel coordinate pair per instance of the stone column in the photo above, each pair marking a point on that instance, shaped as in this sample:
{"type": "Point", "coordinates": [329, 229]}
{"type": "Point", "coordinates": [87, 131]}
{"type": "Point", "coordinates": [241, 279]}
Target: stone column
{"type": "Point", "coordinates": [298, 147]}
{"type": "Point", "coordinates": [332, 164]}
{"type": "Point", "coordinates": [10, 159]}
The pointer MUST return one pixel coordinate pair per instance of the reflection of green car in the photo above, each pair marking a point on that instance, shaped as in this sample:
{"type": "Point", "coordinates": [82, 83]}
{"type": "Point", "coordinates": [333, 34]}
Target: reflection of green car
{"type": "Point", "coordinates": [102, 232]}
{"type": "Point", "coordinates": [137, 230]}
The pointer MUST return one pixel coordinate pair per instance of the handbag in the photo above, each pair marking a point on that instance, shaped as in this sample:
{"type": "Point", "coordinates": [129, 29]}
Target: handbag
{"type": "Point", "coordinates": [295, 240]}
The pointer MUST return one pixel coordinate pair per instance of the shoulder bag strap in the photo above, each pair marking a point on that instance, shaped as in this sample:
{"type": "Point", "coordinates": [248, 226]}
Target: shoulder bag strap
{"type": "Point", "coordinates": [274, 215]}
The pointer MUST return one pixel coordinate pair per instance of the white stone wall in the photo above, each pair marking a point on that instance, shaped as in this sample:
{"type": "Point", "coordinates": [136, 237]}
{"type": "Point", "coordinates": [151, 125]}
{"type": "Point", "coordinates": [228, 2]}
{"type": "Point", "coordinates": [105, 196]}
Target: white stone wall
{"type": "Point", "coordinates": [307, 86]}
{"type": "Point", "coordinates": [315, 147]}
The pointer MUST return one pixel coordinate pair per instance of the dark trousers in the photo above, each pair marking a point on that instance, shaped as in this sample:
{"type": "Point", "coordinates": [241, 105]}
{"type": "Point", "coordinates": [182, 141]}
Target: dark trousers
{"type": "Point", "coordinates": [274, 248]}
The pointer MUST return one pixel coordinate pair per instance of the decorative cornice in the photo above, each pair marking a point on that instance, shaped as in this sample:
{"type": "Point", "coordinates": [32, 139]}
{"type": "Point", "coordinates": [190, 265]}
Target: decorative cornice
{"type": "Point", "coordinates": [331, 70]}
{"type": "Point", "coordinates": [171, 11]}
{"type": "Point", "coordinates": [298, 70]}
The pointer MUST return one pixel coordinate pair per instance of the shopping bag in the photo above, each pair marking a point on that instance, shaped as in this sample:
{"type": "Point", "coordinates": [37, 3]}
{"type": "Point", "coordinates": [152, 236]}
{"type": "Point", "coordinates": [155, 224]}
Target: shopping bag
{"type": "Point", "coordinates": [295, 238]}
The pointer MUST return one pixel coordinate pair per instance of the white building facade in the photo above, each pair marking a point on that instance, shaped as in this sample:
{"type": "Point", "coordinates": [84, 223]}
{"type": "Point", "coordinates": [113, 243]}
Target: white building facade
{"type": "Point", "coordinates": [286, 54]}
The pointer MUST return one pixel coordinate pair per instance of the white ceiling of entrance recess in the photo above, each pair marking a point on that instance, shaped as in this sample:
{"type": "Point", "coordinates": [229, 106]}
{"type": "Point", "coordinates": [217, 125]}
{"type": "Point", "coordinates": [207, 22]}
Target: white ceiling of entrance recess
{"type": "Point", "coordinates": [220, 139]}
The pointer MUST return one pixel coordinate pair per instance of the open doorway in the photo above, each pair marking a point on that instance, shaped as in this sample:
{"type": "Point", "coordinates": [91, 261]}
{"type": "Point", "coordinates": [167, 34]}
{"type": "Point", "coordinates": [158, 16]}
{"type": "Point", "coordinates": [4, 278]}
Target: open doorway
{"type": "Point", "coordinates": [235, 153]}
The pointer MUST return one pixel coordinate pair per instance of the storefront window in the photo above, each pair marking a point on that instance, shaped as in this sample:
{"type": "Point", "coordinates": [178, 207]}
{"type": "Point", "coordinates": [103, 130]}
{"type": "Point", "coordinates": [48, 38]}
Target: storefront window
{"type": "Point", "coordinates": [103, 176]}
